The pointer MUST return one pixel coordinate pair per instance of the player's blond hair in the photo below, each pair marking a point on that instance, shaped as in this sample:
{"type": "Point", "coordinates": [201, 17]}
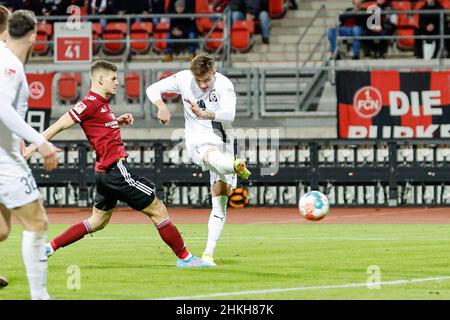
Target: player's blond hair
{"type": "Point", "coordinates": [202, 63]}
{"type": "Point", "coordinates": [4, 14]}
{"type": "Point", "coordinates": [103, 65]}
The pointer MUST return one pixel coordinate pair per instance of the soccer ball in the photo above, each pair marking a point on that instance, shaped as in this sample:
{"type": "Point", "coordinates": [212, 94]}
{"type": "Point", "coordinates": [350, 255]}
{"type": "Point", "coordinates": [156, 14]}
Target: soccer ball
{"type": "Point", "coordinates": [314, 205]}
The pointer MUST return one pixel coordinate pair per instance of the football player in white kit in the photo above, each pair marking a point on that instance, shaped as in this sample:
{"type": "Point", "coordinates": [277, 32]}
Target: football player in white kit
{"type": "Point", "coordinates": [209, 102]}
{"type": "Point", "coordinates": [19, 194]}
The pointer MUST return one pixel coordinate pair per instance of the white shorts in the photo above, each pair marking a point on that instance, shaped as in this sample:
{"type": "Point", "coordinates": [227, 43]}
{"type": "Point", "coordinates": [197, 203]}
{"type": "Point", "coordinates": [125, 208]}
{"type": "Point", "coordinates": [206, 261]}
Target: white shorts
{"type": "Point", "coordinates": [17, 184]}
{"type": "Point", "coordinates": [197, 152]}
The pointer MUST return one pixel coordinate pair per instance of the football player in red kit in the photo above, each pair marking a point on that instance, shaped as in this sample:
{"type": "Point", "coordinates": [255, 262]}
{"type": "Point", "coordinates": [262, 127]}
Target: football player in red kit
{"type": "Point", "coordinates": [114, 178]}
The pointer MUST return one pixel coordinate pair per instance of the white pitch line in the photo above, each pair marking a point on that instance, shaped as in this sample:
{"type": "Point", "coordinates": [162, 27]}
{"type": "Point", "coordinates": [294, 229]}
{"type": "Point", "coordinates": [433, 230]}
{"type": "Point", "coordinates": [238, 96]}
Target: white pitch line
{"type": "Point", "coordinates": [338, 286]}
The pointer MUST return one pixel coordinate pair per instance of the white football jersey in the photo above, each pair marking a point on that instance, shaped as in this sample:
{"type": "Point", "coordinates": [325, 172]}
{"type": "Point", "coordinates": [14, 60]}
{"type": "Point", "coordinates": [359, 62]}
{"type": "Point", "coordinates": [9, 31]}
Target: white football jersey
{"type": "Point", "coordinates": [12, 79]}
{"type": "Point", "coordinates": [220, 98]}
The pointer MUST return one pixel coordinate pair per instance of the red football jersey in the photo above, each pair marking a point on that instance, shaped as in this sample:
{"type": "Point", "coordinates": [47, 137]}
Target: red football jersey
{"type": "Point", "coordinates": [101, 128]}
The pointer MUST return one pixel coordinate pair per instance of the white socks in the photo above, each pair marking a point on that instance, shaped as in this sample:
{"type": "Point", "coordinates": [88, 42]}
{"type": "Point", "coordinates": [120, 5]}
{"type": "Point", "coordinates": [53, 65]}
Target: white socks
{"type": "Point", "coordinates": [220, 162]}
{"type": "Point", "coordinates": [36, 265]}
{"type": "Point", "coordinates": [216, 222]}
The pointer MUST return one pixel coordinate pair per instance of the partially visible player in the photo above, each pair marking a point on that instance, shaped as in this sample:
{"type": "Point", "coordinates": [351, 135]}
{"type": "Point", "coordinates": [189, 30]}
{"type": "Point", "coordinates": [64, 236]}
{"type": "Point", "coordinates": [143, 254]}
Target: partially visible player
{"type": "Point", "coordinates": [209, 109]}
{"type": "Point", "coordinates": [18, 192]}
{"type": "Point", "coordinates": [4, 14]}
{"type": "Point", "coordinates": [114, 178]}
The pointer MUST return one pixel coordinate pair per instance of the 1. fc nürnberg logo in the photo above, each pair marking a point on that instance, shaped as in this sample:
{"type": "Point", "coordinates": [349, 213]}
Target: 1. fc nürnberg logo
{"type": "Point", "coordinates": [367, 102]}
{"type": "Point", "coordinates": [37, 90]}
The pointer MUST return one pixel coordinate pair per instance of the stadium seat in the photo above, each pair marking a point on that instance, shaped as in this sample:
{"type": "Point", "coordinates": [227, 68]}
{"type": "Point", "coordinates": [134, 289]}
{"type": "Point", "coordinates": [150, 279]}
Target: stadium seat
{"type": "Point", "coordinates": [168, 96]}
{"type": "Point", "coordinates": [405, 43]}
{"type": "Point", "coordinates": [96, 35]}
{"type": "Point", "coordinates": [212, 45]}
{"type": "Point", "coordinates": [161, 33]}
{"type": "Point", "coordinates": [242, 36]}
{"type": "Point", "coordinates": [133, 86]}
{"type": "Point", "coordinates": [69, 87]}
{"type": "Point", "coordinates": [277, 8]}
{"type": "Point", "coordinates": [445, 4]}
{"type": "Point", "coordinates": [115, 31]}
{"type": "Point", "coordinates": [367, 4]}
{"type": "Point", "coordinates": [140, 31]}
{"type": "Point", "coordinates": [44, 33]}
{"type": "Point", "coordinates": [204, 24]}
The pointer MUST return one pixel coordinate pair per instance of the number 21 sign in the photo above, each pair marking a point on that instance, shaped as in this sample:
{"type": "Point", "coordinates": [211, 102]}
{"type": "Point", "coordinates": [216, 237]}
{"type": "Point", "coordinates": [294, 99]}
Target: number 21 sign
{"type": "Point", "coordinates": [73, 44]}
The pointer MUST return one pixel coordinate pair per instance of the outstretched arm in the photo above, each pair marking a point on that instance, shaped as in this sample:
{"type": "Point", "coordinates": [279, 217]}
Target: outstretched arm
{"type": "Point", "coordinates": [61, 124]}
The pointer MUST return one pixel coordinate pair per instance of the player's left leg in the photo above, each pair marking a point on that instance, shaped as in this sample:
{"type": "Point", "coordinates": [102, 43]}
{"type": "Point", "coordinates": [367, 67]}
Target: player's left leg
{"type": "Point", "coordinates": [139, 193]}
{"type": "Point", "coordinates": [217, 218]}
{"type": "Point", "coordinates": [5, 228]}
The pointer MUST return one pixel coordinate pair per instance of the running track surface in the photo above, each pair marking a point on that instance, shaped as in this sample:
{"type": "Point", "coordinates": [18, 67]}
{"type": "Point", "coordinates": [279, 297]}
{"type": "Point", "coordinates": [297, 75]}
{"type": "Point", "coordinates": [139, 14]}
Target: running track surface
{"type": "Point", "coordinates": [266, 216]}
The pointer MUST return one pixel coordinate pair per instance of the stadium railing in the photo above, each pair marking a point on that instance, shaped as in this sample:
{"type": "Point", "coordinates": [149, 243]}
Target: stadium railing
{"type": "Point", "coordinates": [364, 173]}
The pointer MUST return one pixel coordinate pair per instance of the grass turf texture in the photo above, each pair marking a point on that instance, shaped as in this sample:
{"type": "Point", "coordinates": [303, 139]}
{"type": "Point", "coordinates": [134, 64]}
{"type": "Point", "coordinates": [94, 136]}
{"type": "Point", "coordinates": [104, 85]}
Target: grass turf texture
{"type": "Point", "coordinates": [132, 262]}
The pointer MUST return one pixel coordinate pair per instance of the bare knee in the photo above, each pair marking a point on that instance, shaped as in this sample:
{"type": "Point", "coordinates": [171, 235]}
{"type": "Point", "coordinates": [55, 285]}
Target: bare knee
{"type": "Point", "coordinates": [4, 233]}
{"type": "Point", "coordinates": [157, 211]}
{"type": "Point", "coordinates": [99, 220]}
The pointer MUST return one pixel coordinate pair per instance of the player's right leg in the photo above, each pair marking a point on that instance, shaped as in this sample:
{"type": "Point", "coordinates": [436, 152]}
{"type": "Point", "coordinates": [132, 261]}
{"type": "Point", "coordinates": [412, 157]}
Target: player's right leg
{"type": "Point", "coordinates": [225, 163]}
{"type": "Point", "coordinates": [34, 220]}
{"type": "Point", "coordinates": [5, 228]}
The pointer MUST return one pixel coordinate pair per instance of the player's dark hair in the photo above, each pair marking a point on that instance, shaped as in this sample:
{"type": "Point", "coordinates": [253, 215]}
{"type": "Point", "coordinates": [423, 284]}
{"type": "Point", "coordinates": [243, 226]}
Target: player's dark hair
{"type": "Point", "coordinates": [201, 64]}
{"type": "Point", "coordinates": [103, 65]}
{"type": "Point", "coordinates": [4, 14]}
{"type": "Point", "coordinates": [20, 23]}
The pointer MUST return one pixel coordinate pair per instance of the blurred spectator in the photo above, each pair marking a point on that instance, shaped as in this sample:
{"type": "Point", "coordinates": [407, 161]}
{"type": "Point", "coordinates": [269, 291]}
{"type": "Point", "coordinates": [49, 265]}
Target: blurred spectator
{"type": "Point", "coordinates": [106, 7]}
{"type": "Point", "coordinates": [217, 6]}
{"type": "Point", "coordinates": [293, 5]}
{"type": "Point", "coordinates": [157, 7]}
{"type": "Point", "coordinates": [257, 10]}
{"type": "Point", "coordinates": [138, 7]}
{"type": "Point", "coordinates": [350, 25]}
{"type": "Point", "coordinates": [388, 24]}
{"type": "Point", "coordinates": [428, 26]}
{"type": "Point", "coordinates": [13, 4]}
{"type": "Point", "coordinates": [37, 6]}
{"type": "Point", "coordinates": [181, 28]}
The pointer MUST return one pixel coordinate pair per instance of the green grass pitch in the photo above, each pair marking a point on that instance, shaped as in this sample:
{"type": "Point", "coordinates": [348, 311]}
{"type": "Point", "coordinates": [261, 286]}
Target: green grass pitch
{"type": "Point", "coordinates": [311, 261]}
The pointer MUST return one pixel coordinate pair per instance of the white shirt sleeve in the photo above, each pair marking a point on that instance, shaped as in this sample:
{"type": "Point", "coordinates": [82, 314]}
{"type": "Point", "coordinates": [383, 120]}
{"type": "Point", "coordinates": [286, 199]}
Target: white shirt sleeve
{"type": "Point", "coordinates": [9, 85]}
{"type": "Point", "coordinates": [227, 102]}
{"type": "Point", "coordinates": [169, 84]}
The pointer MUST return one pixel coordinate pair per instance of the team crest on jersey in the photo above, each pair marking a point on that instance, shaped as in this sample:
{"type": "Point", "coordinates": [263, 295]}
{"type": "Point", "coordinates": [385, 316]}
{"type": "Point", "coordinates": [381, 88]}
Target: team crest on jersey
{"type": "Point", "coordinates": [10, 72]}
{"type": "Point", "coordinates": [79, 107]}
{"type": "Point", "coordinates": [212, 96]}
{"type": "Point", "coordinates": [92, 98]}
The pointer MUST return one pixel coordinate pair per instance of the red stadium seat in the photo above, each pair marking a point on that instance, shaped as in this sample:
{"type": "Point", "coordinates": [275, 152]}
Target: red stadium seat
{"type": "Point", "coordinates": [44, 33]}
{"type": "Point", "coordinates": [140, 31]}
{"type": "Point", "coordinates": [211, 44]}
{"type": "Point", "coordinates": [69, 87]}
{"type": "Point", "coordinates": [115, 31]}
{"type": "Point", "coordinates": [445, 4]}
{"type": "Point", "coordinates": [133, 86]}
{"type": "Point", "coordinates": [168, 96]}
{"type": "Point", "coordinates": [204, 24]}
{"type": "Point", "coordinates": [161, 33]}
{"type": "Point", "coordinates": [96, 35]}
{"type": "Point", "coordinates": [367, 4]}
{"type": "Point", "coordinates": [242, 35]}
{"type": "Point", "coordinates": [405, 43]}
{"type": "Point", "coordinates": [277, 8]}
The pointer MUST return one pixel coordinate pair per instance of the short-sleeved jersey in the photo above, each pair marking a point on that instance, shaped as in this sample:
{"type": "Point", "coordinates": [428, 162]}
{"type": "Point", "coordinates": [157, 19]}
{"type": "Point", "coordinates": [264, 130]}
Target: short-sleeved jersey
{"type": "Point", "coordinates": [101, 128]}
{"type": "Point", "coordinates": [221, 97]}
{"type": "Point", "coordinates": [14, 92]}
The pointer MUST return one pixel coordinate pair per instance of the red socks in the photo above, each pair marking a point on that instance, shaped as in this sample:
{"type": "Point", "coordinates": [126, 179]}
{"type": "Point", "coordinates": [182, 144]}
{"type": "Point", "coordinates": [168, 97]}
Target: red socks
{"type": "Point", "coordinates": [169, 233]}
{"type": "Point", "coordinates": [71, 235]}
